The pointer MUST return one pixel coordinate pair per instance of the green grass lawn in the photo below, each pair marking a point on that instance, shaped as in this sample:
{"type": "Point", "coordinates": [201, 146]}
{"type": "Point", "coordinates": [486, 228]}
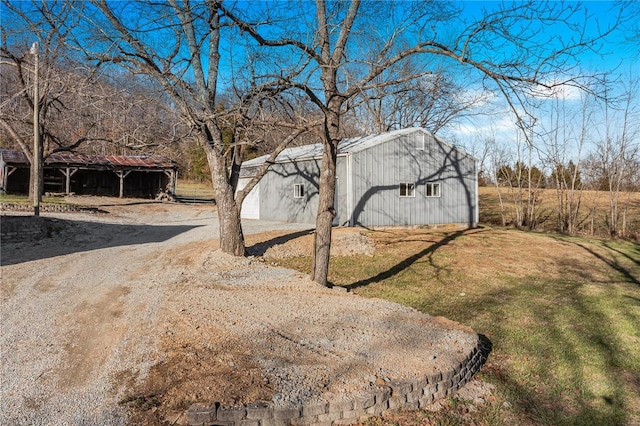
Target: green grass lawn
{"type": "Point", "coordinates": [562, 313]}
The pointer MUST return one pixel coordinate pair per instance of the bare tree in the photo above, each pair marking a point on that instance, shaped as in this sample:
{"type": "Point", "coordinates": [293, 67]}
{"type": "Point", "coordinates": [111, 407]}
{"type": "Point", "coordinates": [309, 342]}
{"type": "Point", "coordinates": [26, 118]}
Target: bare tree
{"type": "Point", "coordinates": [334, 69]}
{"type": "Point", "coordinates": [496, 158]}
{"type": "Point", "coordinates": [565, 141]}
{"type": "Point", "coordinates": [433, 101]}
{"type": "Point", "coordinates": [23, 114]}
{"type": "Point", "coordinates": [618, 150]}
{"type": "Point", "coordinates": [130, 114]}
{"type": "Point", "coordinates": [178, 45]}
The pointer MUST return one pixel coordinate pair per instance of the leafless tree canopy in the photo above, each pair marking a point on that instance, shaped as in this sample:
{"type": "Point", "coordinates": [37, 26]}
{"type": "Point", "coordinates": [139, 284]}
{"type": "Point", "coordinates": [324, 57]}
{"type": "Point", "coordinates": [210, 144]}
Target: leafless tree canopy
{"type": "Point", "coordinates": [240, 79]}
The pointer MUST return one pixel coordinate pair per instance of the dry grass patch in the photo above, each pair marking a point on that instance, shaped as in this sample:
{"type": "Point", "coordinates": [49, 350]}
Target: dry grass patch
{"type": "Point", "coordinates": [24, 199]}
{"type": "Point", "coordinates": [193, 189]}
{"type": "Point", "coordinates": [593, 215]}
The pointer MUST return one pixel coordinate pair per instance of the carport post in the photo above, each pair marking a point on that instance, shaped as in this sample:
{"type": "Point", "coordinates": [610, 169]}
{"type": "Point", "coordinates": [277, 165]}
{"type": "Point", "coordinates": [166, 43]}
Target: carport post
{"type": "Point", "coordinates": [7, 170]}
{"type": "Point", "coordinates": [122, 174]}
{"type": "Point", "coordinates": [68, 172]}
{"type": "Point", "coordinates": [174, 180]}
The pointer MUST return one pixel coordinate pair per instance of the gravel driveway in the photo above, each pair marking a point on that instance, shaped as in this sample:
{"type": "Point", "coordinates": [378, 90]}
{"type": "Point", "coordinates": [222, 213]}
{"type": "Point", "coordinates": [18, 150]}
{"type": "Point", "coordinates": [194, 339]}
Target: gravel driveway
{"type": "Point", "coordinates": [132, 315]}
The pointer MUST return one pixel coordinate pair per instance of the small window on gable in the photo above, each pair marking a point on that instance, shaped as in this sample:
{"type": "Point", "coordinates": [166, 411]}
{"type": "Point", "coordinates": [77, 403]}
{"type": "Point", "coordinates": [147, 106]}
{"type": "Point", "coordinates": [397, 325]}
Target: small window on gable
{"type": "Point", "coordinates": [422, 142]}
{"type": "Point", "coordinates": [407, 190]}
{"type": "Point", "coordinates": [432, 190]}
{"type": "Point", "coordinates": [298, 190]}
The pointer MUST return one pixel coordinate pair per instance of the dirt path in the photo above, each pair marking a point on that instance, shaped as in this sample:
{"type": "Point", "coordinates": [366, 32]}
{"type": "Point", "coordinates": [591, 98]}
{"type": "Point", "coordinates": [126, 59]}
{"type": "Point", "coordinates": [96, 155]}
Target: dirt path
{"type": "Point", "coordinates": [131, 317]}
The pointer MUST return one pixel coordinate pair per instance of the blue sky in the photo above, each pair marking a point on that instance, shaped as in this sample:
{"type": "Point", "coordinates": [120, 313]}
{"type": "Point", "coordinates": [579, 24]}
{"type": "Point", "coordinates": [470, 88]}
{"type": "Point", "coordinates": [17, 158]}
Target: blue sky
{"type": "Point", "coordinates": [615, 55]}
{"type": "Point", "coordinates": [618, 56]}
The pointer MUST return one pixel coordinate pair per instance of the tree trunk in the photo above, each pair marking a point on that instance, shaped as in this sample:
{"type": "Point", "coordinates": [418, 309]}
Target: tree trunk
{"type": "Point", "coordinates": [231, 236]}
{"type": "Point", "coordinates": [326, 213]}
{"type": "Point", "coordinates": [326, 197]}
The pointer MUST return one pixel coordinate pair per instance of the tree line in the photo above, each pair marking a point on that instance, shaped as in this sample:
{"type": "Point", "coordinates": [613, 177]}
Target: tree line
{"type": "Point", "coordinates": [239, 79]}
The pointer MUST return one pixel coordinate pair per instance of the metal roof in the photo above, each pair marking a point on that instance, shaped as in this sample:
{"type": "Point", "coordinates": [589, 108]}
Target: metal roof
{"type": "Point", "coordinates": [106, 161]}
{"type": "Point", "coordinates": [345, 146]}
{"type": "Point", "coordinates": [13, 157]}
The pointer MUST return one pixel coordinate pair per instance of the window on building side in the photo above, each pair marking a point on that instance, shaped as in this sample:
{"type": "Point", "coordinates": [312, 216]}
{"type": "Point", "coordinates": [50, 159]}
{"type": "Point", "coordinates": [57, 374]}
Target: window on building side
{"type": "Point", "coordinates": [432, 190]}
{"type": "Point", "coordinates": [298, 190]}
{"type": "Point", "coordinates": [407, 190]}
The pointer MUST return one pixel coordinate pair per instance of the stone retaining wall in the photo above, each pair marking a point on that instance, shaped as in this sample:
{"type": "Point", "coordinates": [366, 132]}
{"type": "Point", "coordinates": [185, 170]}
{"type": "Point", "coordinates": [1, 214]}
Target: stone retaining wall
{"type": "Point", "coordinates": [396, 396]}
{"type": "Point", "coordinates": [50, 208]}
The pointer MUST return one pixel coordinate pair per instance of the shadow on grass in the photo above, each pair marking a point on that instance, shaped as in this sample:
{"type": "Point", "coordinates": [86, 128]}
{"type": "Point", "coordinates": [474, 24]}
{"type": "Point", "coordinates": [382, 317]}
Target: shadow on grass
{"type": "Point", "coordinates": [580, 360]}
{"type": "Point", "coordinates": [631, 275]}
{"type": "Point", "coordinates": [406, 263]}
{"type": "Point", "coordinates": [636, 299]}
{"type": "Point", "coordinates": [259, 249]}
{"type": "Point", "coordinates": [635, 260]}
{"type": "Point", "coordinates": [555, 361]}
{"type": "Point", "coordinates": [613, 264]}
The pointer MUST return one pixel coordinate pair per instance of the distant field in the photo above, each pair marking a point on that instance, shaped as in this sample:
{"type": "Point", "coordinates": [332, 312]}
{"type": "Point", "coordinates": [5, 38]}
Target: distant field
{"type": "Point", "coordinates": [195, 190]}
{"type": "Point", "coordinates": [562, 314]}
{"type": "Point", "coordinates": [594, 205]}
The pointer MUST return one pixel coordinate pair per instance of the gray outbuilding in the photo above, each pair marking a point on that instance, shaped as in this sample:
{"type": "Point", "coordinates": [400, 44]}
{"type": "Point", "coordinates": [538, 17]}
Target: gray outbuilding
{"type": "Point", "coordinates": [405, 177]}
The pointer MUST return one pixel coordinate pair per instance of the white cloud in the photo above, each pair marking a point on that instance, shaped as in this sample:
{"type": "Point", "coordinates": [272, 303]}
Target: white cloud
{"type": "Point", "coordinates": [499, 126]}
{"type": "Point", "coordinates": [558, 90]}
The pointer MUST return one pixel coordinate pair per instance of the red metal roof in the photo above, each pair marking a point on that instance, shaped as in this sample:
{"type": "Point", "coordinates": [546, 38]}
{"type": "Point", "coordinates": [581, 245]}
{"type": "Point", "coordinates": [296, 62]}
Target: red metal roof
{"type": "Point", "coordinates": [13, 157]}
{"type": "Point", "coordinates": [107, 161]}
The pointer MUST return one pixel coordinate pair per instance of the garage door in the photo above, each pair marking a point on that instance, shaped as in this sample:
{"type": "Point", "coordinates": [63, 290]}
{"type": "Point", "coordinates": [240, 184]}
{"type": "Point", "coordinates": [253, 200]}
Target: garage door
{"type": "Point", "coordinates": [251, 203]}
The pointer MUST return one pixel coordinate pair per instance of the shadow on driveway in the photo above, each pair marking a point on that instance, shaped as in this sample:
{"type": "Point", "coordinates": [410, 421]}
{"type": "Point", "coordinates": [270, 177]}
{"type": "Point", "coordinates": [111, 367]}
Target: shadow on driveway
{"type": "Point", "coordinates": [27, 238]}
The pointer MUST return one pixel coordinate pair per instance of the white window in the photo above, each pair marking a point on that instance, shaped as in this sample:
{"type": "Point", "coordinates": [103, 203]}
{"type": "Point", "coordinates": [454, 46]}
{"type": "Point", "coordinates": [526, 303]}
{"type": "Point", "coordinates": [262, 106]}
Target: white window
{"type": "Point", "coordinates": [407, 190]}
{"type": "Point", "coordinates": [421, 142]}
{"type": "Point", "coordinates": [432, 190]}
{"type": "Point", "coordinates": [298, 190]}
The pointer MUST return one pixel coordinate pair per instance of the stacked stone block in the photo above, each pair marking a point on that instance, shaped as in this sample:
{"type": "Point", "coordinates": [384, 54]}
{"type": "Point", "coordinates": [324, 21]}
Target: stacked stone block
{"type": "Point", "coordinates": [48, 208]}
{"type": "Point", "coordinates": [400, 395]}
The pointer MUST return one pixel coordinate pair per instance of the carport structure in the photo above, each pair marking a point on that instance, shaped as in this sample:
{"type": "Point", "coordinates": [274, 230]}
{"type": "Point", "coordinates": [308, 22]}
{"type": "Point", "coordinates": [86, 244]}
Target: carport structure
{"type": "Point", "coordinates": [110, 175]}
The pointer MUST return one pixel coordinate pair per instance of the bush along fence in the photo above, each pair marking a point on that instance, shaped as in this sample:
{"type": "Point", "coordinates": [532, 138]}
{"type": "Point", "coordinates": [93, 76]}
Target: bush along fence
{"type": "Point", "coordinates": [397, 396]}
